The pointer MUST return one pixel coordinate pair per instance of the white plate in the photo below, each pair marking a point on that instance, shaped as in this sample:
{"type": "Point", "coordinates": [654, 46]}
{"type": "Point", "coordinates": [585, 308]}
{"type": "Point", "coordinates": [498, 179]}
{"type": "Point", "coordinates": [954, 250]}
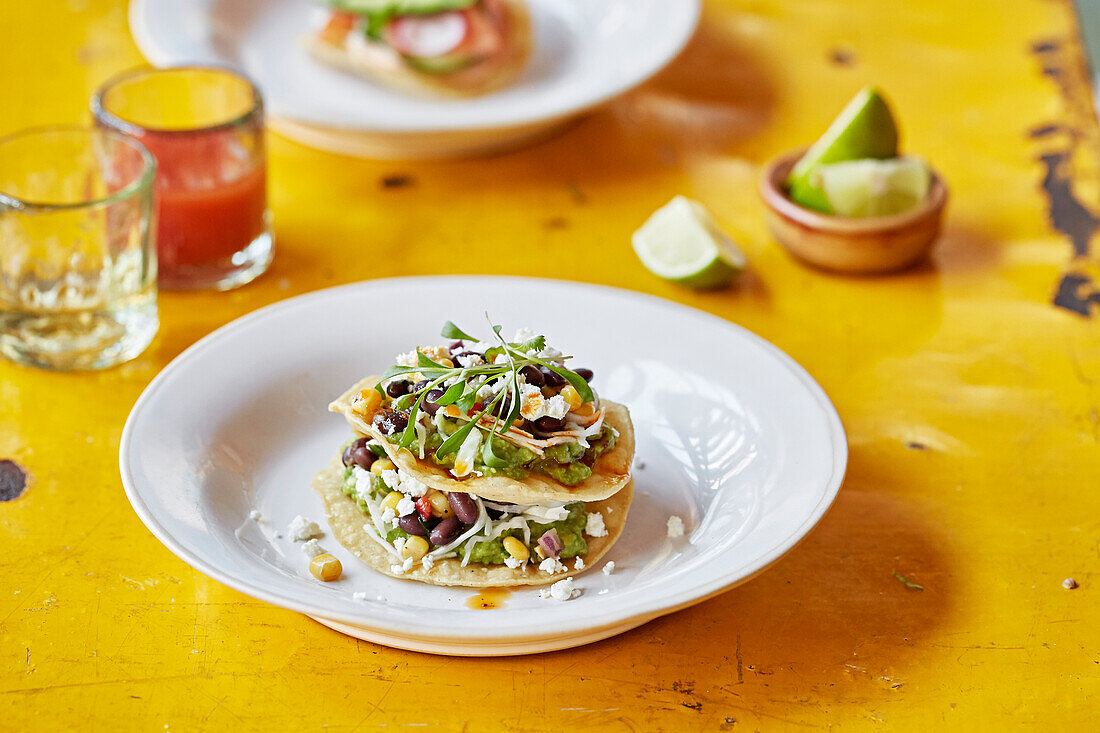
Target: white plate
{"type": "Point", "coordinates": [734, 436]}
{"type": "Point", "coordinates": [585, 52]}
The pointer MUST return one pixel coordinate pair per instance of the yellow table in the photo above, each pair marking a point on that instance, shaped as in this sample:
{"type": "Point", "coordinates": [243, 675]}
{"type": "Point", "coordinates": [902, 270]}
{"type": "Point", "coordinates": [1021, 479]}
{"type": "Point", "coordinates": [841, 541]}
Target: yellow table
{"type": "Point", "coordinates": [971, 400]}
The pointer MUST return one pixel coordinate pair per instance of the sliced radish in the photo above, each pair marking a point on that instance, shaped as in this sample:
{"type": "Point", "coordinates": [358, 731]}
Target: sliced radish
{"type": "Point", "coordinates": [427, 36]}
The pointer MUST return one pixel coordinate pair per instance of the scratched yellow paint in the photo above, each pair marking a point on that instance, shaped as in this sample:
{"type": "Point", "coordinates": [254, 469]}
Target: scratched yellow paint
{"type": "Point", "coordinates": [971, 403]}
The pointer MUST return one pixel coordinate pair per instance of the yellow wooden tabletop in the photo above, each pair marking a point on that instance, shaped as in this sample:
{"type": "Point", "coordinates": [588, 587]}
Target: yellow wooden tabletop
{"type": "Point", "coordinates": [969, 386]}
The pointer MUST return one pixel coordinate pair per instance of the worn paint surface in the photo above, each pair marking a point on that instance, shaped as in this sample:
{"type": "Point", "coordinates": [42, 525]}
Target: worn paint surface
{"type": "Point", "coordinates": [970, 397]}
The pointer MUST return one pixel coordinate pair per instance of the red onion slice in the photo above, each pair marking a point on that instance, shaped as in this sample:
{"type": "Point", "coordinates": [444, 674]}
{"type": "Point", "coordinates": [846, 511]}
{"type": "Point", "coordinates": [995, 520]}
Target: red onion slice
{"type": "Point", "coordinates": [551, 543]}
{"type": "Point", "coordinates": [428, 36]}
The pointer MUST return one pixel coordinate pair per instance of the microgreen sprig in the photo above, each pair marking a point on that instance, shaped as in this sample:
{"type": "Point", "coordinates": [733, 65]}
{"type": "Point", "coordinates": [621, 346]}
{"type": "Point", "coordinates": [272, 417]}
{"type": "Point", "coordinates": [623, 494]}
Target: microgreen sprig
{"type": "Point", "coordinates": [461, 392]}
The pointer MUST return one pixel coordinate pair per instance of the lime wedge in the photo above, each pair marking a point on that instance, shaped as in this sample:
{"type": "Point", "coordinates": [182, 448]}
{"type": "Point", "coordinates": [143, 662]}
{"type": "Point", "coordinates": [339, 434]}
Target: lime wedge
{"type": "Point", "coordinates": [682, 243]}
{"type": "Point", "coordinates": [865, 129]}
{"type": "Point", "coordinates": [873, 187]}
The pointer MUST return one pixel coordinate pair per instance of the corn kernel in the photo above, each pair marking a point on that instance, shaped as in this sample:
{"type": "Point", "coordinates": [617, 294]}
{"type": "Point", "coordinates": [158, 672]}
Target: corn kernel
{"type": "Point", "coordinates": [382, 464]}
{"type": "Point", "coordinates": [452, 411]}
{"type": "Point", "coordinates": [325, 567]}
{"type": "Point", "coordinates": [415, 547]}
{"type": "Point", "coordinates": [588, 409]}
{"type": "Point", "coordinates": [447, 363]}
{"type": "Point", "coordinates": [440, 506]}
{"type": "Point", "coordinates": [366, 401]}
{"type": "Point", "coordinates": [516, 549]}
{"type": "Point", "coordinates": [391, 500]}
{"type": "Point", "coordinates": [570, 395]}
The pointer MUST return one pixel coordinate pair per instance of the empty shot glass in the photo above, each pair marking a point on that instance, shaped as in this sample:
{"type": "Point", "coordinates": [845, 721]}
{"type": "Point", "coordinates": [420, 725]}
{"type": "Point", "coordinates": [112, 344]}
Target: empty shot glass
{"type": "Point", "coordinates": [77, 260]}
{"type": "Point", "coordinates": [205, 127]}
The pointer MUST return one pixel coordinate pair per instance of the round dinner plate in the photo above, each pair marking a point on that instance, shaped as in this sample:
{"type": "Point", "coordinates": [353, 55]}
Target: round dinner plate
{"type": "Point", "coordinates": [732, 436]}
{"type": "Point", "coordinates": [584, 53]}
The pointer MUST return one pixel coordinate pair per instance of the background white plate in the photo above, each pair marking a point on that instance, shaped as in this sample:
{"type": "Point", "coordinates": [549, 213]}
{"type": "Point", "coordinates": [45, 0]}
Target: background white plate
{"type": "Point", "coordinates": [585, 52]}
{"type": "Point", "coordinates": [734, 437]}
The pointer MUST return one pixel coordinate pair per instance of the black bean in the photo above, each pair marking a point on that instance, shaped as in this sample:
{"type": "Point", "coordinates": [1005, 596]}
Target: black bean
{"type": "Point", "coordinates": [429, 405]}
{"type": "Point", "coordinates": [363, 457]}
{"type": "Point", "coordinates": [553, 379]}
{"type": "Point", "coordinates": [397, 389]}
{"type": "Point", "coordinates": [411, 524]}
{"type": "Point", "coordinates": [584, 373]}
{"type": "Point", "coordinates": [391, 422]}
{"type": "Point", "coordinates": [420, 385]}
{"type": "Point", "coordinates": [357, 443]}
{"type": "Point", "coordinates": [533, 376]}
{"type": "Point", "coordinates": [502, 408]}
{"type": "Point", "coordinates": [549, 424]}
{"type": "Point", "coordinates": [463, 506]}
{"type": "Point", "coordinates": [446, 531]}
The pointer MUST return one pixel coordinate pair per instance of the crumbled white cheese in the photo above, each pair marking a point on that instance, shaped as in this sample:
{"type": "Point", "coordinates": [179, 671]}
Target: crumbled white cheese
{"type": "Point", "coordinates": [408, 359]}
{"type": "Point", "coordinates": [398, 569]}
{"type": "Point", "coordinates": [427, 562]}
{"type": "Point", "coordinates": [675, 526]}
{"type": "Point", "coordinates": [405, 506]}
{"type": "Point", "coordinates": [550, 354]}
{"type": "Point", "coordinates": [359, 596]}
{"type": "Point", "coordinates": [470, 360]}
{"type": "Point", "coordinates": [390, 478]}
{"type": "Point", "coordinates": [579, 564]}
{"type": "Point", "coordinates": [500, 359]}
{"type": "Point", "coordinates": [552, 565]}
{"type": "Point", "coordinates": [532, 405]}
{"type": "Point", "coordinates": [363, 481]}
{"type": "Point", "coordinates": [302, 529]}
{"type": "Point", "coordinates": [412, 487]}
{"type": "Point", "coordinates": [524, 334]}
{"type": "Point", "coordinates": [512, 562]}
{"type": "Point", "coordinates": [603, 592]}
{"type": "Point", "coordinates": [609, 567]}
{"type": "Point", "coordinates": [407, 565]}
{"type": "Point", "coordinates": [557, 407]}
{"type": "Point", "coordinates": [399, 544]}
{"type": "Point", "coordinates": [563, 590]}
{"type": "Point", "coordinates": [593, 526]}
{"type": "Point", "coordinates": [313, 548]}
{"type": "Point", "coordinates": [255, 515]}
{"type": "Point", "coordinates": [388, 515]}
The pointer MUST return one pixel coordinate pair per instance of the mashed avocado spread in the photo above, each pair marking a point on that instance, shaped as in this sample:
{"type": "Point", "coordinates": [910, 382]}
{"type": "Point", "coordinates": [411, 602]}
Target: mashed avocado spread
{"type": "Point", "coordinates": [492, 552]}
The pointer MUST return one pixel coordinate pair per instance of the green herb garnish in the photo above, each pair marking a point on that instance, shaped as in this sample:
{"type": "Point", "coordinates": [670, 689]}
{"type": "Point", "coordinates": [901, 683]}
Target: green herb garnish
{"type": "Point", "coordinates": [461, 392]}
{"type": "Point", "coordinates": [906, 583]}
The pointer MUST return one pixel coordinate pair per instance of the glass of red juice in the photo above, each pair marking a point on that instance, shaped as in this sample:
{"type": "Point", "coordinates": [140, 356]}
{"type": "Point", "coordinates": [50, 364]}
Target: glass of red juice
{"type": "Point", "coordinates": [204, 125]}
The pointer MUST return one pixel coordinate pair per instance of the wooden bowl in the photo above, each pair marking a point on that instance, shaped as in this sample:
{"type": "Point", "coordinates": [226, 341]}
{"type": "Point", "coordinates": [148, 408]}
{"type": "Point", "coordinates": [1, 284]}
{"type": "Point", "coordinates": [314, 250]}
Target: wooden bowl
{"type": "Point", "coordinates": [848, 244]}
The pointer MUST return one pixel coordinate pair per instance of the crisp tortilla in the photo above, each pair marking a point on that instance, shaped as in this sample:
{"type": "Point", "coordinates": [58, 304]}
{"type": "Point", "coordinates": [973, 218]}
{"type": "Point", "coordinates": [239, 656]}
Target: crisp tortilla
{"type": "Point", "coordinates": [478, 79]}
{"type": "Point", "coordinates": [610, 473]}
{"type": "Point", "coordinates": [347, 522]}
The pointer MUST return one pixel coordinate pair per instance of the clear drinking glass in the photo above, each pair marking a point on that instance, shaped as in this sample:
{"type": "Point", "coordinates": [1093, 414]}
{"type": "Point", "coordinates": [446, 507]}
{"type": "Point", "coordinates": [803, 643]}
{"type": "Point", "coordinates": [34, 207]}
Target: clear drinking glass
{"type": "Point", "coordinates": [205, 127]}
{"type": "Point", "coordinates": [78, 266]}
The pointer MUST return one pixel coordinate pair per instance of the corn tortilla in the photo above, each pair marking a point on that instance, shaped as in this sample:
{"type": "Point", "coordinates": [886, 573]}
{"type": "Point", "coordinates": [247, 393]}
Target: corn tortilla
{"type": "Point", "coordinates": [347, 522]}
{"type": "Point", "coordinates": [477, 80]}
